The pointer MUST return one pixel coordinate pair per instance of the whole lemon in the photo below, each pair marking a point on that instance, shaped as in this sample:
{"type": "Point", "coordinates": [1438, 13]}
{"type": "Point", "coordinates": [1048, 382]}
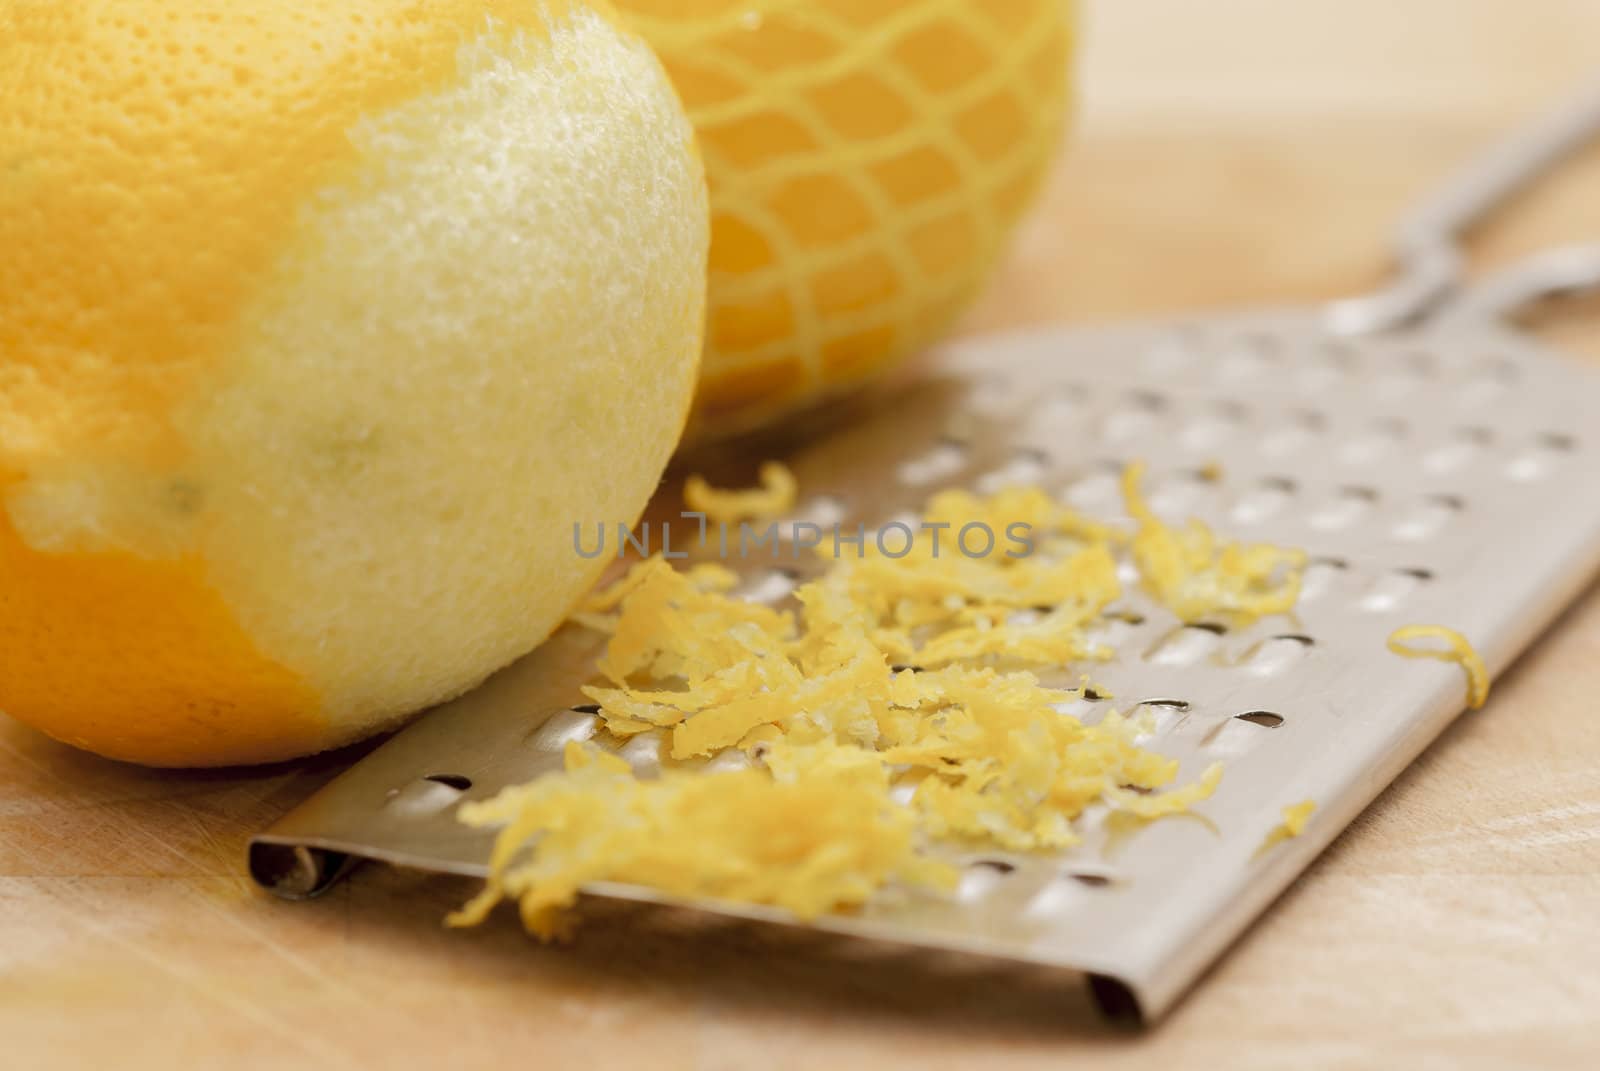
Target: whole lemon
{"type": "Point", "coordinates": [321, 322]}
{"type": "Point", "coordinates": [867, 161]}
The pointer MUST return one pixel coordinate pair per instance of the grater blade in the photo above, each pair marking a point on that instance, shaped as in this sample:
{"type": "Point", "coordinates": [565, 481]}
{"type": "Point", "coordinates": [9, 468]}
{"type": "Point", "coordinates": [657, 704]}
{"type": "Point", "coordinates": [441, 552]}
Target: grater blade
{"type": "Point", "coordinates": [1432, 476]}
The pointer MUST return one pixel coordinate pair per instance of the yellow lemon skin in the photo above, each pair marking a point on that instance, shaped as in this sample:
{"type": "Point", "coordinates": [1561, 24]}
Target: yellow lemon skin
{"type": "Point", "coordinates": [867, 161]}
{"type": "Point", "coordinates": [321, 323]}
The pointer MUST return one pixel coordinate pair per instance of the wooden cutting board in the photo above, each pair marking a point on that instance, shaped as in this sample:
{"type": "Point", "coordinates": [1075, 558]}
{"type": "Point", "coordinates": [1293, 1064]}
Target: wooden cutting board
{"type": "Point", "coordinates": [1232, 151]}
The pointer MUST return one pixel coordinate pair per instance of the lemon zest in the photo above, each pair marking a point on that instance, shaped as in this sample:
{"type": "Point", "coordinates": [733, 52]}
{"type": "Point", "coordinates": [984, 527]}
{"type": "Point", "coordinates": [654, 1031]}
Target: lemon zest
{"type": "Point", "coordinates": [776, 496]}
{"type": "Point", "coordinates": [1458, 650]}
{"type": "Point", "coordinates": [816, 834]}
{"type": "Point", "coordinates": [895, 708]}
{"type": "Point", "coordinates": [1195, 575]}
{"type": "Point", "coordinates": [1296, 817]}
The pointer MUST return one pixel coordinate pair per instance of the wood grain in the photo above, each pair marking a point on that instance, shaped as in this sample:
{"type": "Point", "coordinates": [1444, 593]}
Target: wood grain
{"type": "Point", "coordinates": [1236, 151]}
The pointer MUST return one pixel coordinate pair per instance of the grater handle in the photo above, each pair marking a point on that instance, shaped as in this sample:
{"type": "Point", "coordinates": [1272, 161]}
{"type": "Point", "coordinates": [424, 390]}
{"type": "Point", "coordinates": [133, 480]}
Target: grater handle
{"type": "Point", "coordinates": [1569, 270]}
{"type": "Point", "coordinates": [1428, 239]}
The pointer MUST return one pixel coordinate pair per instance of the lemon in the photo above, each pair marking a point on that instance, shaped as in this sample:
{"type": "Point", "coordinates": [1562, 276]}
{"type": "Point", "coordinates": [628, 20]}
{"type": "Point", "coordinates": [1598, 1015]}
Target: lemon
{"type": "Point", "coordinates": [867, 160]}
{"type": "Point", "coordinates": [321, 322]}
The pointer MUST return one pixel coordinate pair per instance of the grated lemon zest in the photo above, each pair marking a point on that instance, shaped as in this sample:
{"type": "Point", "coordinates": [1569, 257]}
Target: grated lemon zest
{"type": "Point", "coordinates": [896, 707]}
{"type": "Point", "coordinates": [1295, 819]}
{"type": "Point", "coordinates": [1296, 816]}
{"type": "Point", "coordinates": [1195, 576]}
{"type": "Point", "coordinates": [809, 844]}
{"type": "Point", "coordinates": [775, 497]}
{"type": "Point", "coordinates": [1458, 650]}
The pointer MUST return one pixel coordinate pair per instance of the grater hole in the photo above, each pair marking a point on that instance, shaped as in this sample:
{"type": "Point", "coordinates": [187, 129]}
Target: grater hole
{"type": "Point", "coordinates": [1062, 406]}
{"type": "Point", "coordinates": [1100, 488]}
{"type": "Point", "coordinates": [1267, 498]}
{"type": "Point", "coordinates": [992, 394]}
{"type": "Point", "coordinates": [1464, 445]}
{"type": "Point", "coordinates": [730, 761]}
{"type": "Point", "coordinates": [1373, 443]}
{"type": "Point", "coordinates": [1338, 354]}
{"type": "Point", "coordinates": [1277, 654]}
{"type": "Point", "coordinates": [1403, 377]}
{"type": "Point", "coordinates": [1487, 383]}
{"type": "Point", "coordinates": [1535, 461]}
{"type": "Point", "coordinates": [979, 879]}
{"type": "Point", "coordinates": [1212, 426]}
{"type": "Point", "coordinates": [770, 586]}
{"type": "Point", "coordinates": [643, 752]}
{"type": "Point", "coordinates": [1171, 351]}
{"type": "Point", "coordinates": [1114, 627]}
{"type": "Point", "coordinates": [1067, 891]}
{"type": "Point", "coordinates": [1425, 520]}
{"type": "Point", "coordinates": [1393, 588]}
{"type": "Point", "coordinates": [565, 726]}
{"type": "Point", "coordinates": [947, 457]}
{"type": "Point", "coordinates": [896, 536]}
{"type": "Point", "coordinates": [1557, 442]}
{"type": "Point", "coordinates": [1296, 433]}
{"type": "Point", "coordinates": [427, 795]}
{"type": "Point", "coordinates": [1158, 717]}
{"type": "Point", "coordinates": [1148, 401]}
{"type": "Point", "coordinates": [1140, 414]}
{"type": "Point", "coordinates": [1419, 364]}
{"type": "Point", "coordinates": [1187, 645]}
{"type": "Point", "coordinates": [1348, 506]}
{"type": "Point", "coordinates": [822, 510]}
{"type": "Point", "coordinates": [1320, 575]}
{"type": "Point", "coordinates": [902, 793]}
{"type": "Point", "coordinates": [1086, 707]}
{"type": "Point", "coordinates": [1248, 356]}
{"type": "Point", "coordinates": [1241, 733]}
{"type": "Point", "coordinates": [1176, 494]}
{"type": "Point", "coordinates": [1327, 363]}
{"type": "Point", "coordinates": [1026, 467]}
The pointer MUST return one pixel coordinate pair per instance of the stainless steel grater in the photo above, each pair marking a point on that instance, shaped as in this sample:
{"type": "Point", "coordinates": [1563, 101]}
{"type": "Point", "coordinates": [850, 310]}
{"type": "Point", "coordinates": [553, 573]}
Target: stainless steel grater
{"type": "Point", "coordinates": [1436, 465]}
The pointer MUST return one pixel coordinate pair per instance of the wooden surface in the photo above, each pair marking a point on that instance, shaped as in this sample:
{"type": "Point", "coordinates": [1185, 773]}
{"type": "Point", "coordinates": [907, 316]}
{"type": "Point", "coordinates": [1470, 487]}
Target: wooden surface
{"type": "Point", "coordinates": [1231, 151]}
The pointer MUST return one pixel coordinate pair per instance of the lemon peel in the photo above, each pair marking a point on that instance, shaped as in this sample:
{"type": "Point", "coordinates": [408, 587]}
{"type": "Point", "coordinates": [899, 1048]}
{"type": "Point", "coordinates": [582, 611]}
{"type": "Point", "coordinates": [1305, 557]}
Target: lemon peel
{"type": "Point", "coordinates": [901, 691]}
{"type": "Point", "coordinates": [809, 837]}
{"type": "Point", "coordinates": [775, 496]}
{"type": "Point", "coordinates": [1195, 575]}
{"type": "Point", "coordinates": [1296, 817]}
{"type": "Point", "coordinates": [1458, 650]}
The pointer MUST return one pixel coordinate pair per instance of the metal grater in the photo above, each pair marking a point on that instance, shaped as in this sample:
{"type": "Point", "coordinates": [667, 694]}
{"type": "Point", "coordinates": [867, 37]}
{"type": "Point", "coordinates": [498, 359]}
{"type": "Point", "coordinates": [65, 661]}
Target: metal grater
{"type": "Point", "coordinates": [1436, 465]}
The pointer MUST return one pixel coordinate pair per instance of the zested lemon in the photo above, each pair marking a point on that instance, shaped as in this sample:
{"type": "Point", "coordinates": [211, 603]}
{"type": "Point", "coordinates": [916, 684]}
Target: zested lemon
{"type": "Point", "coordinates": [321, 321]}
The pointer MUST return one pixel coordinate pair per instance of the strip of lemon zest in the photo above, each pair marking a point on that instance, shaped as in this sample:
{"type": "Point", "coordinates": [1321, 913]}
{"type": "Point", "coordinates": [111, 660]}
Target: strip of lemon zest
{"type": "Point", "coordinates": [1296, 817]}
{"type": "Point", "coordinates": [776, 496]}
{"type": "Point", "coordinates": [1458, 649]}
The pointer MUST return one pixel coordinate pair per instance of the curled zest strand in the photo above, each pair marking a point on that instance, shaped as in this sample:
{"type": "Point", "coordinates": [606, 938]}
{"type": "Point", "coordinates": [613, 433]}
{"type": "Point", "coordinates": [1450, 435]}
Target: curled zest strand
{"type": "Point", "coordinates": [775, 496]}
{"type": "Point", "coordinates": [1458, 650]}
